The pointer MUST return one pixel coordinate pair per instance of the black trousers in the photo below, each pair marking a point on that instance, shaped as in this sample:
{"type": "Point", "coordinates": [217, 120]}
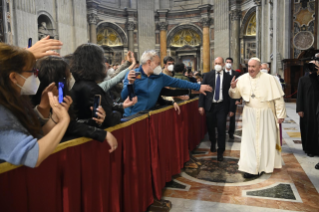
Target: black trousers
{"type": "Point", "coordinates": [216, 117]}
{"type": "Point", "coordinates": [232, 122]}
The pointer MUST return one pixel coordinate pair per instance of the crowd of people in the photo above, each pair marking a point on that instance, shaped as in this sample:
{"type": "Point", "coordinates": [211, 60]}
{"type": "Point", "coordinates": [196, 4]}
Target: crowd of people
{"type": "Point", "coordinates": [35, 119]}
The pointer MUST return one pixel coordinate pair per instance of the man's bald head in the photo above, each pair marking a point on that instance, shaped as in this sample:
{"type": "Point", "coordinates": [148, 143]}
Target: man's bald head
{"type": "Point", "coordinates": [219, 61]}
{"type": "Point", "coordinates": [254, 66]}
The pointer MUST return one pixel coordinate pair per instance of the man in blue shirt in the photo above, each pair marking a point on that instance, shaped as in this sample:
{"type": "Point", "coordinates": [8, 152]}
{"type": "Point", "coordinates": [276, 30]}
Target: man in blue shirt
{"type": "Point", "coordinates": [149, 86]}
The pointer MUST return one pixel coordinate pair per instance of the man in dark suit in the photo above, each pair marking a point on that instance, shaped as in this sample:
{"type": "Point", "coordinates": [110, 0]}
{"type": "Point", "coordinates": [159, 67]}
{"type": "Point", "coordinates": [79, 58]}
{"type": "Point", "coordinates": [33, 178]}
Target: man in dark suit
{"type": "Point", "coordinates": [232, 73]}
{"type": "Point", "coordinates": [217, 105]}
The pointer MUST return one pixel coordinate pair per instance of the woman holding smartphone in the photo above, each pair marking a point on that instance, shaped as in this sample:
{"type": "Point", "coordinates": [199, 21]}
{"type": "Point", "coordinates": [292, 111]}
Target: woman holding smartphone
{"type": "Point", "coordinates": [55, 69]}
{"type": "Point", "coordinates": [22, 139]}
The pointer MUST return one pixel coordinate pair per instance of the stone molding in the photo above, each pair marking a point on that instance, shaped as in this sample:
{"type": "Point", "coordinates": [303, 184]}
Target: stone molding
{"type": "Point", "coordinates": [92, 18]}
{"type": "Point", "coordinates": [206, 21]}
{"type": "Point", "coordinates": [130, 26]}
{"type": "Point", "coordinates": [257, 2]}
{"type": "Point", "coordinates": [163, 25]}
{"type": "Point", "coordinates": [235, 15]}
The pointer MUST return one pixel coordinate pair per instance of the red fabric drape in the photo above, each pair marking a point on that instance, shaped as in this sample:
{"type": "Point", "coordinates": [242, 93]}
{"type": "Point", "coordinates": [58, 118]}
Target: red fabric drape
{"type": "Point", "coordinates": [87, 178]}
{"type": "Point", "coordinates": [172, 137]}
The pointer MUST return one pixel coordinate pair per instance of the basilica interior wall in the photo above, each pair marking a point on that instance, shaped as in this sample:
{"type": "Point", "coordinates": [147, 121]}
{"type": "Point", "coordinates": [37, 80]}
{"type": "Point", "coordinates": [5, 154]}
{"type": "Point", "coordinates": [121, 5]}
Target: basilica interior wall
{"type": "Point", "coordinates": [64, 21]}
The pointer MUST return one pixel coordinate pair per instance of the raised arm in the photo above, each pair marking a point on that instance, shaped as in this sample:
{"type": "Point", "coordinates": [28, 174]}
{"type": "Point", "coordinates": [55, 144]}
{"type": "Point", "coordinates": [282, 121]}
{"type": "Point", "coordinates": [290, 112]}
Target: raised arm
{"type": "Point", "coordinates": [234, 92]}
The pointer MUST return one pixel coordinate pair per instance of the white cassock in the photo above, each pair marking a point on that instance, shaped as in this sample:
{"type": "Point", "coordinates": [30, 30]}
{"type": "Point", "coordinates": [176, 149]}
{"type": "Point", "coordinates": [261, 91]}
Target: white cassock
{"type": "Point", "coordinates": [260, 144]}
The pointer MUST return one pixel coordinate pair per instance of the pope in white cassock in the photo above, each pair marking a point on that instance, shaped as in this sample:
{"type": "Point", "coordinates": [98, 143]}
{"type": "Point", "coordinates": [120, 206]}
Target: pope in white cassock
{"type": "Point", "coordinates": [264, 110]}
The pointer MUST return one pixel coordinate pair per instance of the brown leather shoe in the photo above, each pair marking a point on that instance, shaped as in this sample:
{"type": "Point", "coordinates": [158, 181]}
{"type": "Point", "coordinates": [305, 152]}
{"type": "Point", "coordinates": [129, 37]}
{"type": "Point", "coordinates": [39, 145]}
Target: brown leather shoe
{"type": "Point", "coordinates": [191, 165]}
{"type": "Point", "coordinates": [162, 202]}
{"type": "Point", "coordinates": [153, 208]}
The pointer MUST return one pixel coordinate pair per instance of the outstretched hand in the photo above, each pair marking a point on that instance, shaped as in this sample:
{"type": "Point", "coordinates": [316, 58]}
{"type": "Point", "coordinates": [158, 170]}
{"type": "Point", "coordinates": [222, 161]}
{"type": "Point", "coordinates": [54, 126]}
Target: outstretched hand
{"type": "Point", "coordinates": [205, 88]}
{"type": "Point", "coordinates": [45, 47]}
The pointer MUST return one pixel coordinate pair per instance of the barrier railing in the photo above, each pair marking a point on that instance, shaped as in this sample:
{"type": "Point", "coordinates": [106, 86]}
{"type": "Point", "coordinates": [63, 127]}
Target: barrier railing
{"type": "Point", "coordinates": [81, 175]}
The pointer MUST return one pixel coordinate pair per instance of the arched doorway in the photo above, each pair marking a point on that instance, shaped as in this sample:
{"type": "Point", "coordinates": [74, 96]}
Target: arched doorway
{"type": "Point", "coordinates": [184, 44]}
{"type": "Point", "coordinates": [46, 26]}
{"type": "Point", "coordinates": [113, 40]}
{"type": "Point", "coordinates": [248, 36]}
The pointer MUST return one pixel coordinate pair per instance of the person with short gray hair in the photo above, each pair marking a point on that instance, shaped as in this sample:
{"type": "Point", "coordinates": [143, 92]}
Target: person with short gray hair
{"type": "Point", "coordinates": [151, 81]}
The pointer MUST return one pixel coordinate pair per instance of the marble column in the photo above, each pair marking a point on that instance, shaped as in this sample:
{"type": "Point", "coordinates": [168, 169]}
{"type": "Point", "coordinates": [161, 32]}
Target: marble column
{"type": "Point", "coordinates": [92, 18]}
{"type": "Point", "coordinates": [258, 27]}
{"type": "Point", "coordinates": [235, 42]}
{"type": "Point", "coordinates": [206, 45]}
{"type": "Point", "coordinates": [130, 29]}
{"type": "Point", "coordinates": [163, 41]}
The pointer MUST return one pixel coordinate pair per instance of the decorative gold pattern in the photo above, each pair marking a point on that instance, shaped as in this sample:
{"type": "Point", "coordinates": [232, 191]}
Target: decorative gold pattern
{"type": "Point", "coordinates": [186, 37]}
{"type": "Point", "coordinates": [251, 27]}
{"type": "Point", "coordinates": [109, 37]}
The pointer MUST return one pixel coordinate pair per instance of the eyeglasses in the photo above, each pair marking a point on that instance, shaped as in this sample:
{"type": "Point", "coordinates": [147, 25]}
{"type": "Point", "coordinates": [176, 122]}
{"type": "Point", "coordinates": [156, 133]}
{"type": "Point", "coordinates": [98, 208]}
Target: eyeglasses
{"type": "Point", "coordinates": [34, 71]}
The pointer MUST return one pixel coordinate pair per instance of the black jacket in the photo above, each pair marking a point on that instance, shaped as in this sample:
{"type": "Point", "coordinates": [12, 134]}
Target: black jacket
{"type": "Point", "coordinates": [83, 97]}
{"type": "Point", "coordinates": [207, 101]}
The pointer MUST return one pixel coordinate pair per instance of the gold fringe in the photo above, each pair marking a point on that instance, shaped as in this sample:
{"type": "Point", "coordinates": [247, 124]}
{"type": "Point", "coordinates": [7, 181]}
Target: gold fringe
{"type": "Point", "coordinates": [5, 167]}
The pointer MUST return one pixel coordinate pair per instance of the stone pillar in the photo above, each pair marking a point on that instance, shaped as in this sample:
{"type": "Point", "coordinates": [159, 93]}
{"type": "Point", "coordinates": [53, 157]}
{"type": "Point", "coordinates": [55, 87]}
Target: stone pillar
{"type": "Point", "coordinates": [258, 28]}
{"type": "Point", "coordinates": [92, 19]}
{"type": "Point", "coordinates": [163, 41]}
{"type": "Point", "coordinates": [146, 25]}
{"type": "Point", "coordinates": [206, 45]}
{"type": "Point", "coordinates": [235, 42]}
{"type": "Point", "coordinates": [130, 29]}
{"type": "Point", "coordinates": [162, 25]}
{"type": "Point", "coordinates": [222, 28]}
{"type": "Point", "coordinates": [206, 20]}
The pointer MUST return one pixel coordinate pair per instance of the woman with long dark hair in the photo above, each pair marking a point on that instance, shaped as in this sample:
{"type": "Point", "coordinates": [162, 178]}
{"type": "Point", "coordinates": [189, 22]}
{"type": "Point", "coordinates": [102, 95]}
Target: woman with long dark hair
{"type": "Point", "coordinates": [22, 139]}
{"type": "Point", "coordinates": [88, 68]}
{"type": "Point", "coordinates": [54, 69]}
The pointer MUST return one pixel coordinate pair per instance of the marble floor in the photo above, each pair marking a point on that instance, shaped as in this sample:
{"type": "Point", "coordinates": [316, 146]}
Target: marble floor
{"type": "Point", "coordinates": [219, 186]}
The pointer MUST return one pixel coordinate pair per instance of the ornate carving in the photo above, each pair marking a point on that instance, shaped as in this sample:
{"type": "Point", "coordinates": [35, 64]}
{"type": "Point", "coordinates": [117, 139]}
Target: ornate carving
{"type": "Point", "coordinates": [43, 31]}
{"type": "Point", "coordinates": [206, 21]}
{"type": "Point", "coordinates": [258, 2]}
{"type": "Point", "coordinates": [92, 18]}
{"type": "Point", "coordinates": [108, 37]}
{"type": "Point", "coordinates": [251, 27]}
{"type": "Point", "coordinates": [130, 25]}
{"type": "Point", "coordinates": [235, 15]}
{"type": "Point", "coordinates": [162, 25]}
{"type": "Point", "coordinates": [303, 40]}
{"type": "Point", "coordinates": [186, 37]}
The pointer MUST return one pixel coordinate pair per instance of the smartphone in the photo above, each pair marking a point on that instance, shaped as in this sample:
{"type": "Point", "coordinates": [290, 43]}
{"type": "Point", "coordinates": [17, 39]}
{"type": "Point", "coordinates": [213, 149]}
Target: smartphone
{"type": "Point", "coordinates": [29, 42]}
{"type": "Point", "coordinates": [96, 104]}
{"type": "Point", "coordinates": [138, 75]}
{"type": "Point", "coordinates": [61, 85]}
{"type": "Point", "coordinates": [131, 92]}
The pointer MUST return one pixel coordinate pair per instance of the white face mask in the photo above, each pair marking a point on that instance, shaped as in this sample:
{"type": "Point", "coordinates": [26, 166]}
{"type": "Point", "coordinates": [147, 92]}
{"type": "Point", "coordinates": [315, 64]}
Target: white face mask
{"type": "Point", "coordinates": [228, 65]}
{"type": "Point", "coordinates": [30, 86]}
{"type": "Point", "coordinates": [157, 70]}
{"type": "Point", "coordinates": [71, 83]}
{"type": "Point", "coordinates": [218, 68]}
{"type": "Point", "coordinates": [199, 82]}
{"type": "Point", "coordinates": [264, 71]}
{"type": "Point", "coordinates": [170, 67]}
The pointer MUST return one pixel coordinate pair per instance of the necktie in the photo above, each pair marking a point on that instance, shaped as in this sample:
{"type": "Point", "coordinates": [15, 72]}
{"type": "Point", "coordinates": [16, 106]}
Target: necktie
{"type": "Point", "coordinates": [217, 87]}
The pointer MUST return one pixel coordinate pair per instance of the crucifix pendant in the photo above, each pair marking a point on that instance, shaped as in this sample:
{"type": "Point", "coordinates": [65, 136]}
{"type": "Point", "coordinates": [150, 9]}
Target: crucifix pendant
{"type": "Point", "coordinates": [253, 96]}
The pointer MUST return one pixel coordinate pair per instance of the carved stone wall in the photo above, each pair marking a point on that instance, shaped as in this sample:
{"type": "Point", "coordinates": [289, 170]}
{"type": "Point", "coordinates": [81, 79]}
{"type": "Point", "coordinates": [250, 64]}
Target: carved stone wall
{"type": "Point", "coordinates": [1, 22]}
{"type": "Point", "coordinates": [303, 26]}
{"type": "Point", "coordinates": [67, 21]}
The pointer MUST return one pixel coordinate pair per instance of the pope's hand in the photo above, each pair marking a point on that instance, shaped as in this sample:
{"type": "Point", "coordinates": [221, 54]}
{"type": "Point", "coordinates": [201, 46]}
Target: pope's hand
{"type": "Point", "coordinates": [205, 88]}
{"type": "Point", "coordinates": [233, 83]}
{"type": "Point", "coordinates": [280, 121]}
